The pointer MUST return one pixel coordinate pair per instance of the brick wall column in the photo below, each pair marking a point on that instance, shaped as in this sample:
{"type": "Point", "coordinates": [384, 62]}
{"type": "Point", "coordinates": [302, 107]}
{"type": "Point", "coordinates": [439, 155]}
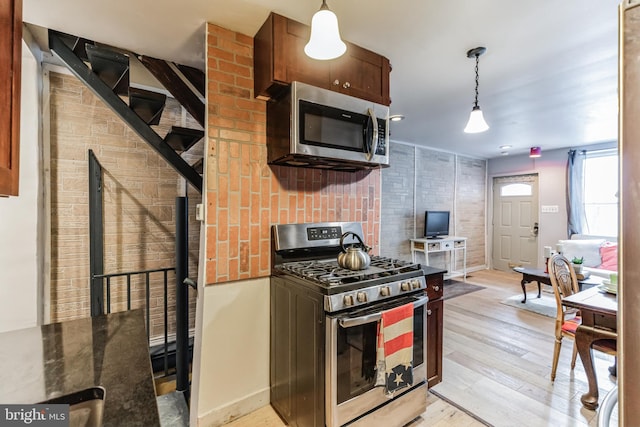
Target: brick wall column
{"type": "Point", "coordinates": [244, 195]}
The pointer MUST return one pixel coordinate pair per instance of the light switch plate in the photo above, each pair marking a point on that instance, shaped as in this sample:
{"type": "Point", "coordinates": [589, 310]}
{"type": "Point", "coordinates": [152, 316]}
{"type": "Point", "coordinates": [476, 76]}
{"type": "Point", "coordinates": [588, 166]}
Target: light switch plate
{"type": "Point", "coordinates": [549, 209]}
{"type": "Point", "coordinates": [199, 212]}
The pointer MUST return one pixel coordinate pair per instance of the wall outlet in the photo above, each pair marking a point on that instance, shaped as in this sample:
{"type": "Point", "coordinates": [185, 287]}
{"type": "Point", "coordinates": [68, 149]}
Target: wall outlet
{"type": "Point", "coordinates": [549, 208]}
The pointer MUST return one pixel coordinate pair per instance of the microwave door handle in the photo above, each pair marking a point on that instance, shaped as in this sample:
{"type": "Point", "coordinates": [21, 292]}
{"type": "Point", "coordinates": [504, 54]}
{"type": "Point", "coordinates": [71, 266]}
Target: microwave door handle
{"type": "Point", "coordinates": [372, 145]}
{"type": "Point", "coordinates": [349, 322]}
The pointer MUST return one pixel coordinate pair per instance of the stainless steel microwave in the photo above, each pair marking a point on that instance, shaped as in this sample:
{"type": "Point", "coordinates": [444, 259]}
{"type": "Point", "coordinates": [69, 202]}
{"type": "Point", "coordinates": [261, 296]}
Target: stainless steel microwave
{"type": "Point", "coordinates": [319, 128]}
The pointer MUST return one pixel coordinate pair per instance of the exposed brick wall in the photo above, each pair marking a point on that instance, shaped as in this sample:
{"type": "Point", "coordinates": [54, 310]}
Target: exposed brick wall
{"type": "Point", "coordinates": [139, 204]}
{"type": "Point", "coordinates": [398, 188]}
{"type": "Point", "coordinates": [245, 196]}
{"type": "Point", "coordinates": [471, 207]}
{"type": "Point", "coordinates": [438, 181]}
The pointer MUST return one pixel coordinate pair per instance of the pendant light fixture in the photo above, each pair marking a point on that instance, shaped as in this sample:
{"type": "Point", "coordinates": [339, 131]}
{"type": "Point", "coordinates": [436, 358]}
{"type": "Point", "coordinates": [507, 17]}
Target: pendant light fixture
{"type": "Point", "coordinates": [476, 121]}
{"type": "Point", "coordinates": [325, 42]}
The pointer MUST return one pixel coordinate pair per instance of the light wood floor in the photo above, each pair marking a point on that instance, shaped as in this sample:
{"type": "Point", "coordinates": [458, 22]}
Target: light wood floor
{"type": "Point", "coordinates": [497, 362]}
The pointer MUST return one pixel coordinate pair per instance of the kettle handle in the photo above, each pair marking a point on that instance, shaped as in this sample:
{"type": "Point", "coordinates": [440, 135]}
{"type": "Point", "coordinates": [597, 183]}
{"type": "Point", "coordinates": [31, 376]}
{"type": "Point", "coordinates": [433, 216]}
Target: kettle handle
{"type": "Point", "coordinates": [356, 236]}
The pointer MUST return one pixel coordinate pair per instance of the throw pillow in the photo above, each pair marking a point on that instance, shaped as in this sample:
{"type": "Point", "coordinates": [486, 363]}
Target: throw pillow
{"type": "Point", "coordinates": [589, 249]}
{"type": "Point", "coordinates": [609, 255]}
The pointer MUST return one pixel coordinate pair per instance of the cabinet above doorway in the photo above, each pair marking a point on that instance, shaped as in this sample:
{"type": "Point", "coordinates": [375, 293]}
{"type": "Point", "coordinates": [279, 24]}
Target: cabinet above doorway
{"type": "Point", "coordinates": [279, 59]}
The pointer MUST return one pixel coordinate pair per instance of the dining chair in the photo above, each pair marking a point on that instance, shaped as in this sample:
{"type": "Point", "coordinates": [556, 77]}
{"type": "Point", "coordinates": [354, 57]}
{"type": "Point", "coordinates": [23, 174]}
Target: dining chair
{"type": "Point", "coordinates": [565, 283]}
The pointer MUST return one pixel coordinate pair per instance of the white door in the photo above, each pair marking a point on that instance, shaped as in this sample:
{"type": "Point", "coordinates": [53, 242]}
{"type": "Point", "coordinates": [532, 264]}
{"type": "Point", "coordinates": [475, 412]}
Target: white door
{"type": "Point", "coordinates": [515, 222]}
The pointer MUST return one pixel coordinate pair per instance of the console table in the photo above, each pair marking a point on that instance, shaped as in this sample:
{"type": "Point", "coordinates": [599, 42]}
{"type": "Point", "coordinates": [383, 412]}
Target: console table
{"type": "Point", "coordinates": [454, 246]}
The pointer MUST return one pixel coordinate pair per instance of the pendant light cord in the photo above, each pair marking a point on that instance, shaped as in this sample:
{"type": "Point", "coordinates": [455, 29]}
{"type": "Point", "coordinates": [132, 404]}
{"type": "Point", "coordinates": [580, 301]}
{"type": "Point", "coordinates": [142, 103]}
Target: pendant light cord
{"type": "Point", "coordinates": [477, 61]}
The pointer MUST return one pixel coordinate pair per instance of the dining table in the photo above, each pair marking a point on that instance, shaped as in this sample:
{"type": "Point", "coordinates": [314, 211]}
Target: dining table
{"type": "Point", "coordinates": [598, 310]}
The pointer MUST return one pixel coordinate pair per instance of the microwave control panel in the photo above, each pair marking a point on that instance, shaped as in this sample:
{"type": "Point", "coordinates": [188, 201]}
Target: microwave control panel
{"type": "Point", "coordinates": [381, 149]}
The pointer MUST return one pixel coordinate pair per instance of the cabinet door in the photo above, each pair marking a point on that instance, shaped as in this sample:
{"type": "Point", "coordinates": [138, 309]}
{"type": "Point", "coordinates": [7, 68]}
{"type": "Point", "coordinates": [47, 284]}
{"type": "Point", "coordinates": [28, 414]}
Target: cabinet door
{"type": "Point", "coordinates": [435, 311]}
{"type": "Point", "coordinates": [11, 53]}
{"type": "Point", "coordinates": [363, 74]}
{"type": "Point", "coordinates": [279, 58]}
{"type": "Point", "coordinates": [290, 61]}
{"type": "Point", "coordinates": [435, 288]}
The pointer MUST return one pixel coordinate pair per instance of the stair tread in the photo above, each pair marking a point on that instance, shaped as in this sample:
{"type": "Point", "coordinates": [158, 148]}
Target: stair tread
{"type": "Point", "coordinates": [112, 67]}
{"type": "Point", "coordinates": [181, 139]}
{"type": "Point", "coordinates": [80, 48]}
{"type": "Point", "coordinates": [199, 165]}
{"type": "Point", "coordinates": [147, 104]}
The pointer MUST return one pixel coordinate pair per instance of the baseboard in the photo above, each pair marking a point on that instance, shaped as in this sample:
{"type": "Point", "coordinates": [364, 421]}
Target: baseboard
{"type": "Point", "coordinates": [225, 414]}
{"type": "Point", "coordinates": [476, 268]}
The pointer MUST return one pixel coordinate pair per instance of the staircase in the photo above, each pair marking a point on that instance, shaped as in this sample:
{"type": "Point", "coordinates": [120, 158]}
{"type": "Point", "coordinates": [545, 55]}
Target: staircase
{"type": "Point", "coordinates": [105, 71]}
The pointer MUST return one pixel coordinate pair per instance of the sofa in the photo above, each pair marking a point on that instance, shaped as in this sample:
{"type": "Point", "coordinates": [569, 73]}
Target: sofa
{"type": "Point", "coordinates": [599, 253]}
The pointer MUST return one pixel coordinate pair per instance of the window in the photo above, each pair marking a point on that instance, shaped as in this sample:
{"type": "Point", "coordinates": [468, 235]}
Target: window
{"type": "Point", "coordinates": [517, 189]}
{"type": "Point", "coordinates": [601, 192]}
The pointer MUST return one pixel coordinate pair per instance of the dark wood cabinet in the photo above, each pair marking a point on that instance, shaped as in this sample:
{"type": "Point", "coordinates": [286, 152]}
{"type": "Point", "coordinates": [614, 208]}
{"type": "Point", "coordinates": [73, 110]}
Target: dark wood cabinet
{"type": "Point", "coordinates": [10, 69]}
{"type": "Point", "coordinates": [435, 317]}
{"type": "Point", "coordinates": [297, 354]}
{"type": "Point", "coordinates": [435, 314]}
{"type": "Point", "coordinates": [279, 59]}
{"type": "Point", "coordinates": [363, 74]}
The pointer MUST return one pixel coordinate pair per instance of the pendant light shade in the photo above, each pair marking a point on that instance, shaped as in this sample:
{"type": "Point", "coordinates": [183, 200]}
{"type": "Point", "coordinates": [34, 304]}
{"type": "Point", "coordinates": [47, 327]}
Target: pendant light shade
{"type": "Point", "coordinates": [476, 121]}
{"type": "Point", "coordinates": [325, 42]}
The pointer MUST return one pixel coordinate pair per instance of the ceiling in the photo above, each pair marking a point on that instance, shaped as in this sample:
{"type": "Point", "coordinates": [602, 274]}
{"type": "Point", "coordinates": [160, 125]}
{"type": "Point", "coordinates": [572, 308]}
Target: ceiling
{"type": "Point", "coordinates": [548, 78]}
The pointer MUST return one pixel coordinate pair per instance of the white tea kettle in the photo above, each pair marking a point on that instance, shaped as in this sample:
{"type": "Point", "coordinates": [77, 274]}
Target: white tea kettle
{"type": "Point", "coordinates": [355, 257]}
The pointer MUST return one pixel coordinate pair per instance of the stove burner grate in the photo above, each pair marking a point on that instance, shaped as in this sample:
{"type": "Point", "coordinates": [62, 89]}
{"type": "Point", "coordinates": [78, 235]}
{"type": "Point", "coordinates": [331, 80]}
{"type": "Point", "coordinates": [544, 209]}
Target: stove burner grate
{"type": "Point", "coordinates": [330, 274]}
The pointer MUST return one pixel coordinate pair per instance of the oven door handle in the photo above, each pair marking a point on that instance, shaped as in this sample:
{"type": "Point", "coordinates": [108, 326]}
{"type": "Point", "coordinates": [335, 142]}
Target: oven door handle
{"type": "Point", "coordinates": [349, 322]}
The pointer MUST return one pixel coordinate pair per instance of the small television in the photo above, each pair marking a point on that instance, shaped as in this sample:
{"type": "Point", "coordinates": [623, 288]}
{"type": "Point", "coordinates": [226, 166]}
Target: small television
{"type": "Point", "coordinates": [436, 223]}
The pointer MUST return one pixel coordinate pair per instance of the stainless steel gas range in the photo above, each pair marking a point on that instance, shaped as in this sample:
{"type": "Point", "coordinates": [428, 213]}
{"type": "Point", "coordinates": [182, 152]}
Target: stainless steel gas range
{"type": "Point", "coordinates": [324, 324]}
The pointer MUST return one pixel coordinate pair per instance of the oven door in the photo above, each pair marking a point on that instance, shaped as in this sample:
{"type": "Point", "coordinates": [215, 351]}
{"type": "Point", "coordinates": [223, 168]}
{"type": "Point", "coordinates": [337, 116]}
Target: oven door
{"type": "Point", "coordinates": [351, 359]}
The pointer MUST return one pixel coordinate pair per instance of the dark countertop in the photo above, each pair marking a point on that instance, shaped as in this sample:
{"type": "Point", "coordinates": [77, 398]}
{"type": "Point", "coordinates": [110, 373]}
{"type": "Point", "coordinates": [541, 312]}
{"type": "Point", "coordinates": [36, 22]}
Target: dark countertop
{"type": "Point", "coordinates": [110, 350]}
{"type": "Point", "coordinates": [428, 271]}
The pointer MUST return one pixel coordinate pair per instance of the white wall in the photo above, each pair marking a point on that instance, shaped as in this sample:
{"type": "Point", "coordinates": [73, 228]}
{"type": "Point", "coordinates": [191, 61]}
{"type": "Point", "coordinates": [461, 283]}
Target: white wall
{"type": "Point", "coordinates": [19, 291]}
{"type": "Point", "coordinates": [233, 370]}
{"type": "Point", "coordinates": [551, 170]}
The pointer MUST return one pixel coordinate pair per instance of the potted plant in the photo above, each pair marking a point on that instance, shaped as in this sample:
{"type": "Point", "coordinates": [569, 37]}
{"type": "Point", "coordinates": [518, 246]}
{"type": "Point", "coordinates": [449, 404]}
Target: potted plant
{"type": "Point", "coordinates": [577, 264]}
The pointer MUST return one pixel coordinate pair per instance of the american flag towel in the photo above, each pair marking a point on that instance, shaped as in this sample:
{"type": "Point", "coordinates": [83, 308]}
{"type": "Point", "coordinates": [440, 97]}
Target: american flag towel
{"type": "Point", "coordinates": [395, 349]}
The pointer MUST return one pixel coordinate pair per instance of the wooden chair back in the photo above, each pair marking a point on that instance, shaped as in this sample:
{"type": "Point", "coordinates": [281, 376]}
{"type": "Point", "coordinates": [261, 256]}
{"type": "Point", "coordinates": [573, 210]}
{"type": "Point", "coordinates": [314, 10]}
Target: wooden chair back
{"type": "Point", "coordinates": [563, 281]}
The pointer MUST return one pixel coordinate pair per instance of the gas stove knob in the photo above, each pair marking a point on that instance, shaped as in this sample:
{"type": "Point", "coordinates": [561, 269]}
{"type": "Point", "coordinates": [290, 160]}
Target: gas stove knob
{"type": "Point", "coordinates": [361, 297]}
{"type": "Point", "coordinates": [348, 300]}
{"type": "Point", "coordinates": [415, 284]}
{"type": "Point", "coordinates": [405, 286]}
{"type": "Point", "coordinates": [385, 291]}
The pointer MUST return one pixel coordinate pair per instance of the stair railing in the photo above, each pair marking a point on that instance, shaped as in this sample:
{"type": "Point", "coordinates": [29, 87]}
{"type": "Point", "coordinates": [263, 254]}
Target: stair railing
{"type": "Point", "coordinates": [110, 287]}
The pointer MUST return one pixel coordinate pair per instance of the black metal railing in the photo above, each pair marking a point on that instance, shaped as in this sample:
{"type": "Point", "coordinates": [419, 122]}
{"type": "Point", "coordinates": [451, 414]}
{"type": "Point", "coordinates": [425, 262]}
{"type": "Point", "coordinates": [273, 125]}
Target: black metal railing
{"type": "Point", "coordinates": [111, 288]}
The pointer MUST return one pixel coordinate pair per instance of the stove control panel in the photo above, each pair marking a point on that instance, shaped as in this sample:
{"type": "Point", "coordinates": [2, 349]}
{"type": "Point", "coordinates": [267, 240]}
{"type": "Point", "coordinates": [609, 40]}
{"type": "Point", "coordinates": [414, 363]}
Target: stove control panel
{"type": "Point", "coordinates": [324, 233]}
{"type": "Point", "coordinates": [364, 296]}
